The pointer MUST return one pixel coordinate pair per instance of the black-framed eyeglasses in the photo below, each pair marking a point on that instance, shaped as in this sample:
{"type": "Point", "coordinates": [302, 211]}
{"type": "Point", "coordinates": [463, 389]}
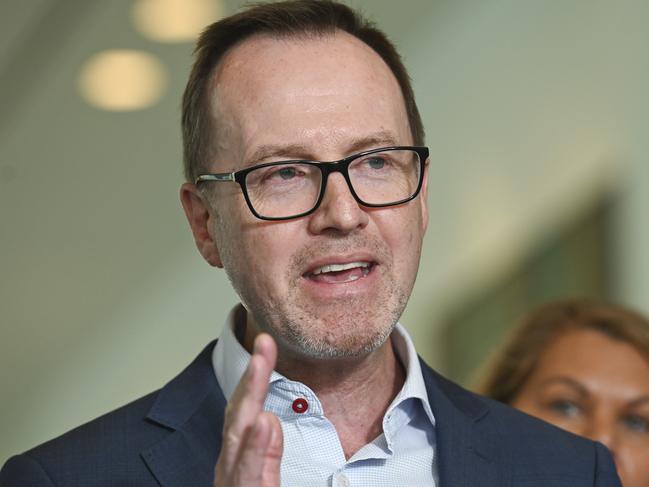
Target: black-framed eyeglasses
{"type": "Point", "coordinates": [291, 189]}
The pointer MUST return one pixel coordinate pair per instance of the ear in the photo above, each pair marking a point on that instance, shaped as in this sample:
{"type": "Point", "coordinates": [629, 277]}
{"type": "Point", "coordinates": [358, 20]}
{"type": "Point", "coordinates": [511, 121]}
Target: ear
{"type": "Point", "coordinates": [423, 197]}
{"type": "Point", "coordinates": [200, 218]}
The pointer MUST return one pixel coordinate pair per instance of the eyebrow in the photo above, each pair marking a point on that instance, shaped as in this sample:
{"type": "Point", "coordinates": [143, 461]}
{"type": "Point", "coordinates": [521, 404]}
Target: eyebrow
{"type": "Point", "coordinates": [639, 401]}
{"type": "Point", "coordinates": [579, 387]}
{"type": "Point", "coordinates": [301, 152]}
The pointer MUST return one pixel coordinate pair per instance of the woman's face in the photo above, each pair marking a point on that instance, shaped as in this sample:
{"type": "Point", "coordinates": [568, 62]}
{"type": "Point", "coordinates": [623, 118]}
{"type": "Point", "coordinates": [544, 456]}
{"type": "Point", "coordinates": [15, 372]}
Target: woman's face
{"type": "Point", "coordinates": [596, 387]}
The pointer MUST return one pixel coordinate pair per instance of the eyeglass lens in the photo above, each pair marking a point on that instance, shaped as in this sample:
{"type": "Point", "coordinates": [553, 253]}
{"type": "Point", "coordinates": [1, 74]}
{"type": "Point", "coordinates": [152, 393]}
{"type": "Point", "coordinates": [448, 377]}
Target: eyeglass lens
{"type": "Point", "coordinates": [379, 178]}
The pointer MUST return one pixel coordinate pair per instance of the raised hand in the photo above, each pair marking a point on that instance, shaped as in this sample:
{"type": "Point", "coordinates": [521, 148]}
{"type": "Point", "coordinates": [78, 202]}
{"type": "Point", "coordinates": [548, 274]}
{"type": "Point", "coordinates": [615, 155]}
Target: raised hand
{"type": "Point", "coordinates": [252, 438]}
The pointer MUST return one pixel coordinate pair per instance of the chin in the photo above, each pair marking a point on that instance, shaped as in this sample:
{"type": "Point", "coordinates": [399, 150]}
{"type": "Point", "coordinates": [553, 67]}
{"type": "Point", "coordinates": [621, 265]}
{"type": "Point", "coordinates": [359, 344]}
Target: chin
{"type": "Point", "coordinates": [346, 329]}
{"type": "Point", "coordinates": [334, 346]}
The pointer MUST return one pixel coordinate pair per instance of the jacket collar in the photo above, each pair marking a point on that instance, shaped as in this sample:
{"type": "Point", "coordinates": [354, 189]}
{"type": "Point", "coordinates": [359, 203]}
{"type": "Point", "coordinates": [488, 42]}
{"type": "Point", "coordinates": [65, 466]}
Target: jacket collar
{"type": "Point", "coordinates": [467, 443]}
{"type": "Point", "coordinates": [192, 408]}
{"type": "Point", "coordinates": [179, 399]}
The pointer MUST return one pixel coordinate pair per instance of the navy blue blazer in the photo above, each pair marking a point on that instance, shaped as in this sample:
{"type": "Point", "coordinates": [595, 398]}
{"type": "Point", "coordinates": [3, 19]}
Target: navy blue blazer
{"type": "Point", "coordinates": [172, 437]}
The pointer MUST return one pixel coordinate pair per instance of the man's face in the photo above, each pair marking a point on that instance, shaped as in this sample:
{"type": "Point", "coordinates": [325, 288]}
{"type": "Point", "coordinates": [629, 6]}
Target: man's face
{"type": "Point", "coordinates": [316, 98]}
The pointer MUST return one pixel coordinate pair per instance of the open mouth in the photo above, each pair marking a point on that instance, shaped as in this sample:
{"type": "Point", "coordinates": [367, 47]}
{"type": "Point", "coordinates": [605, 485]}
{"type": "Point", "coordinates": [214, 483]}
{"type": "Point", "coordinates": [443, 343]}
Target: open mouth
{"type": "Point", "coordinates": [340, 273]}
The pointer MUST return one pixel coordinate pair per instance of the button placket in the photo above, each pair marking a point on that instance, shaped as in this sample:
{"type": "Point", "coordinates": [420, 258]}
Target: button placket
{"type": "Point", "coordinates": [342, 480]}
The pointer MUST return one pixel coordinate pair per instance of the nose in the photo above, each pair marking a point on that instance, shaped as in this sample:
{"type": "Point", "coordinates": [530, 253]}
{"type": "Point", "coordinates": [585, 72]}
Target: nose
{"type": "Point", "coordinates": [603, 429]}
{"type": "Point", "coordinates": [339, 211]}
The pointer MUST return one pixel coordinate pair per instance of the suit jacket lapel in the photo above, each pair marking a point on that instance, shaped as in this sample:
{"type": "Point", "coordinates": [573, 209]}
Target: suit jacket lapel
{"type": "Point", "coordinates": [466, 455]}
{"type": "Point", "coordinates": [191, 407]}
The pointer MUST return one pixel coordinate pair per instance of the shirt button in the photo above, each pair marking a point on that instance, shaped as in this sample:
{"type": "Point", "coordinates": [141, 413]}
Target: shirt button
{"type": "Point", "coordinates": [300, 405]}
{"type": "Point", "coordinates": [342, 480]}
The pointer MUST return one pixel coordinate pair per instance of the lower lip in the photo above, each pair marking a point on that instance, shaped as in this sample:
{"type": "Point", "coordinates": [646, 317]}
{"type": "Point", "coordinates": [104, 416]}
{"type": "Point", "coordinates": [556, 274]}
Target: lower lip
{"type": "Point", "coordinates": [332, 289]}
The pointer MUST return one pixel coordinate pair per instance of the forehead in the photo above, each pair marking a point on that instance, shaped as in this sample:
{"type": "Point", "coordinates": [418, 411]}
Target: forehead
{"type": "Point", "coordinates": [337, 55]}
{"type": "Point", "coordinates": [600, 362]}
{"type": "Point", "coordinates": [321, 90]}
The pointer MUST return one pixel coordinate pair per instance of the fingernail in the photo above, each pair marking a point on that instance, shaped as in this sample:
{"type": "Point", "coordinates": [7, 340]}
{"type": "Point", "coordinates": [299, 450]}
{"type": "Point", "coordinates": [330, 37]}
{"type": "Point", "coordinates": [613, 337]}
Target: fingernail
{"type": "Point", "coordinates": [256, 348]}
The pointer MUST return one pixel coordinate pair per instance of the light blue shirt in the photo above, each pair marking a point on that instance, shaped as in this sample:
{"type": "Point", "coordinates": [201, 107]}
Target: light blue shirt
{"type": "Point", "coordinates": [404, 455]}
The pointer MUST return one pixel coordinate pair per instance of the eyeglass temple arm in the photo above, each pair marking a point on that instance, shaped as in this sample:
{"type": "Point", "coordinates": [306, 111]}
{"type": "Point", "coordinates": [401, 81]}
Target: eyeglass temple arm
{"type": "Point", "coordinates": [224, 176]}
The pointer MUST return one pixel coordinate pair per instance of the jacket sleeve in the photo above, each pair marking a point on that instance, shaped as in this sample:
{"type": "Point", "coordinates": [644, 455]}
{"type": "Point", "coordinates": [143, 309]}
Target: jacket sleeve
{"type": "Point", "coordinates": [22, 471]}
{"type": "Point", "coordinates": [606, 473]}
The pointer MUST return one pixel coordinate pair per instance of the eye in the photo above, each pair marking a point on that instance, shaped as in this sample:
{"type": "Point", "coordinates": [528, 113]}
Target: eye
{"type": "Point", "coordinates": [565, 408]}
{"type": "Point", "coordinates": [276, 174]}
{"type": "Point", "coordinates": [286, 173]}
{"type": "Point", "coordinates": [375, 162]}
{"type": "Point", "coordinates": [635, 423]}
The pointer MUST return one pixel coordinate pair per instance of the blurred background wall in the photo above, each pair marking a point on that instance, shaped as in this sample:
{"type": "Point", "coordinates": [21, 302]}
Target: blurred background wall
{"type": "Point", "coordinates": [537, 120]}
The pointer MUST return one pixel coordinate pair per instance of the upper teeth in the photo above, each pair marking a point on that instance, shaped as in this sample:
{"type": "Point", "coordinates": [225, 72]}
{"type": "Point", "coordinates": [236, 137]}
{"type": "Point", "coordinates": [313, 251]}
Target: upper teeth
{"type": "Point", "coordinates": [339, 267]}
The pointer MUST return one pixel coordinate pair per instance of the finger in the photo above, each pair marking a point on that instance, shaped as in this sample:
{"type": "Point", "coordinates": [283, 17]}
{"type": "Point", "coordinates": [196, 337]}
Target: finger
{"type": "Point", "coordinates": [273, 455]}
{"type": "Point", "coordinates": [247, 401]}
{"type": "Point", "coordinates": [253, 386]}
{"type": "Point", "coordinates": [265, 346]}
{"type": "Point", "coordinates": [261, 454]}
{"type": "Point", "coordinates": [260, 457]}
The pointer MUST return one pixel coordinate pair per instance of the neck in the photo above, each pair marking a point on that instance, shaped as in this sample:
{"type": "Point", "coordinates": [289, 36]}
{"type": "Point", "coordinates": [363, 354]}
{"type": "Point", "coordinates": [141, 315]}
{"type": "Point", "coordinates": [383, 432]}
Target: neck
{"type": "Point", "coordinates": [354, 392]}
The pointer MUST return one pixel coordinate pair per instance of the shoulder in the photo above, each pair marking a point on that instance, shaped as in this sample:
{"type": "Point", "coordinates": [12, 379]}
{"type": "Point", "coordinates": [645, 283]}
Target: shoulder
{"type": "Point", "coordinates": [84, 455]}
{"type": "Point", "coordinates": [112, 449]}
{"type": "Point", "coordinates": [531, 449]}
{"type": "Point", "coordinates": [535, 447]}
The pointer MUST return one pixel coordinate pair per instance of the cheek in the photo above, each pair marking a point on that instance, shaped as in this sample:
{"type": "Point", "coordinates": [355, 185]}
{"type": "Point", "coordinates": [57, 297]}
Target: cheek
{"type": "Point", "coordinates": [528, 405]}
{"type": "Point", "coordinates": [250, 243]}
{"type": "Point", "coordinates": [266, 251]}
{"type": "Point", "coordinates": [632, 460]}
{"type": "Point", "coordinates": [405, 241]}
{"type": "Point", "coordinates": [576, 426]}
{"type": "Point", "coordinates": [526, 402]}
{"type": "Point", "coordinates": [401, 227]}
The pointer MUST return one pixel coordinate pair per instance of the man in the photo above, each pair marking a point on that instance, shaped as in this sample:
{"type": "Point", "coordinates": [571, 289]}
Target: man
{"type": "Point", "coordinates": [322, 386]}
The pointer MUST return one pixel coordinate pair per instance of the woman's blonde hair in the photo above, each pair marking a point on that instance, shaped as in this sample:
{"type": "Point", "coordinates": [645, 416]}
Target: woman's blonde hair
{"type": "Point", "coordinates": [512, 364]}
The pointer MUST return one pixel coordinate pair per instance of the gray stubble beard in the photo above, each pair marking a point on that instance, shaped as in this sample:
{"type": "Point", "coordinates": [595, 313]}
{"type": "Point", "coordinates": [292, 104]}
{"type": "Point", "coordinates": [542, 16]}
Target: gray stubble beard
{"type": "Point", "coordinates": [301, 328]}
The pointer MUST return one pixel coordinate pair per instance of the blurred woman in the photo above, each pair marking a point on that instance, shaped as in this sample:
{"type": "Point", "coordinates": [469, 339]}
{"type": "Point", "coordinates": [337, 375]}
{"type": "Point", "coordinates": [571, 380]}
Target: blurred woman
{"type": "Point", "coordinates": [584, 367]}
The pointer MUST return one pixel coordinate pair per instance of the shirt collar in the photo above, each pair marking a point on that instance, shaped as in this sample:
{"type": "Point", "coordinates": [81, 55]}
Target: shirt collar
{"type": "Point", "coordinates": [414, 388]}
{"type": "Point", "coordinates": [230, 360]}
